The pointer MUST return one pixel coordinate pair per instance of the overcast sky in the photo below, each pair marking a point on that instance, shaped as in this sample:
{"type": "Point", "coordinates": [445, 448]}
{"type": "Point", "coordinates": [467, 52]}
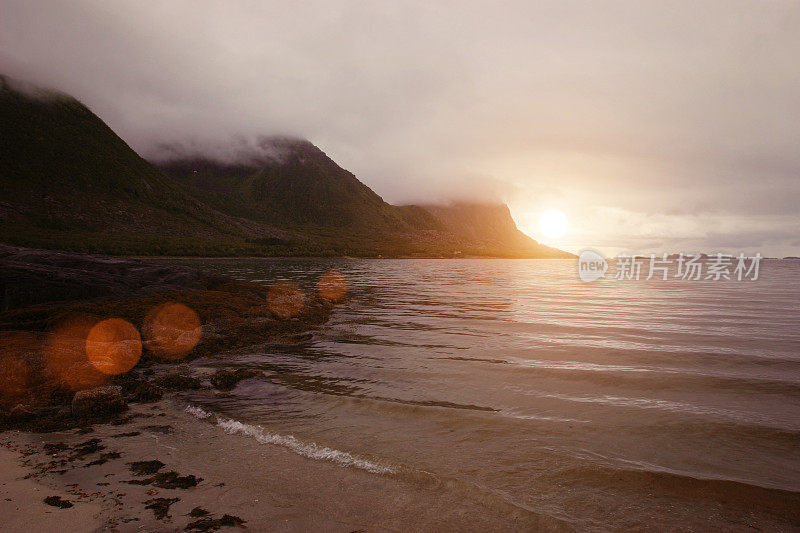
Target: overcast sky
{"type": "Point", "coordinates": [655, 126]}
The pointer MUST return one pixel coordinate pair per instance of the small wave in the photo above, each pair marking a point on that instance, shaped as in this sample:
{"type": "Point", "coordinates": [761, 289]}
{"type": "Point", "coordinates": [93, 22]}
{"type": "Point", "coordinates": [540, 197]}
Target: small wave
{"type": "Point", "coordinates": [428, 403]}
{"type": "Point", "coordinates": [545, 418]}
{"type": "Point", "coordinates": [310, 450]}
{"type": "Point", "coordinates": [197, 412]}
{"type": "Point", "coordinates": [476, 360]}
{"type": "Point", "coordinates": [739, 417]}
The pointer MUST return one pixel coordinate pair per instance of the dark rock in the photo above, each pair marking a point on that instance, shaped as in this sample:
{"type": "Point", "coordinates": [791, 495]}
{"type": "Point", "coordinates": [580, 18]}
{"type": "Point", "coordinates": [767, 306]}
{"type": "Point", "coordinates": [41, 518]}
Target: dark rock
{"type": "Point", "coordinates": [98, 402]}
{"type": "Point", "coordinates": [56, 501]}
{"type": "Point", "coordinates": [197, 512]}
{"type": "Point", "coordinates": [175, 382]}
{"type": "Point", "coordinates": [42, 276]}
{"type": "Point", "coordinates": [146, 392]}
{"type": "Point", "coordinates": [227, 380]}
{"type": "Point", "coordinates": [160, 506]}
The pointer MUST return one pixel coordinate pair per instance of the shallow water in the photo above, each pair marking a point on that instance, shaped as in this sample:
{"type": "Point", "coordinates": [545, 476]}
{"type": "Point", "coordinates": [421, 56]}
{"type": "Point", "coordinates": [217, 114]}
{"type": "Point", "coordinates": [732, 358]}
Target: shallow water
{"type": "Point", "coordinates": [610, 405]}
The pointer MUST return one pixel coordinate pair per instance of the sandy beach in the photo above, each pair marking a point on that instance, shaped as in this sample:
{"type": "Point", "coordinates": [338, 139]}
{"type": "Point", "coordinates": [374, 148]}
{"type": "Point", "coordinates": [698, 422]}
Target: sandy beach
{"type": "Point", "coordinates": [262, 487]}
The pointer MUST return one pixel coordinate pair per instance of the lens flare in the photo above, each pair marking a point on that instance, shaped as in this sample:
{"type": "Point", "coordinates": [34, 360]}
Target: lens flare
{"type": "Point", "coordinates": [285, 299]}
{"type": "Point", "coordinates": [113, 346]}
{"type": "Point", "coordinates": [172, 330]}
{"type": "Point", "coordinates": [332, 285]}
{"type": "Point", "coordinates": [15, 373]}
{"type": "Point", "coordinates": [65, 355]}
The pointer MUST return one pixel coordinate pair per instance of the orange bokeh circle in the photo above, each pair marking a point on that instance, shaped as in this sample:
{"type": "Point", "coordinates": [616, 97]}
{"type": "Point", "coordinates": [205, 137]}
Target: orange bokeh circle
{"type": "Point", "coordinates": [113, 346]}
{"type": "Point", "coordinates": [285, 299]}
{"type": "Point", "coordinates": [65, 354]}
{"type": "Point", "coordinates": [172, 330]}
{"type": "Point", "coordinates": [332, 285]}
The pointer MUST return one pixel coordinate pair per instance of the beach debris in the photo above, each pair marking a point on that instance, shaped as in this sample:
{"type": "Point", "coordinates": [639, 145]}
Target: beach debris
{"type": "Point", "coordinates": [98, 402]}
{"type": "Point", "coordinates": [168, 480]}
{"type": "Point", "coordinates": [52, 448]}
{"type": "Point", "coordinates": [212, 524]}
{"type": "Point", "coordinates": [160, 506]}
{"type": "Point", "coordinates": [165, 429]}
{"type": "Point", "coordinates": [173, 480]}
{"type": "Point", "coordinates": [127, 434]}
{"type": "Point", "coordinates": [103, 459]}
{"type": "Point", "coordinates": [86, 448]}
{"type": "Point", "coordinates": [227, 380]}
{"type": "Point", "coordinates": [145, 468]}
{"type": "Point", "coordinates": [56, 501]}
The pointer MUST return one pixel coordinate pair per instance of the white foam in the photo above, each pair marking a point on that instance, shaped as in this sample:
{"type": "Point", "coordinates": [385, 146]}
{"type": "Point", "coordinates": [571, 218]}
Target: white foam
{"type": "Point", "coordinates": [197, 412]}
{"type": "Point", "coordinates": [311, 450]}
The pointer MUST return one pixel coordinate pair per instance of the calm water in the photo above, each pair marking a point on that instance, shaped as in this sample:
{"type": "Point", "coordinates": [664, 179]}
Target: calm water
{"type": "Point", "coordinates": [611, 405]}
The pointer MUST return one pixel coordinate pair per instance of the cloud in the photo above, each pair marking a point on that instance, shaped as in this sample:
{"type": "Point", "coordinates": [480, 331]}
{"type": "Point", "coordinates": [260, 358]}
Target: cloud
{"type": "Point", "coordinates": [670, 108]}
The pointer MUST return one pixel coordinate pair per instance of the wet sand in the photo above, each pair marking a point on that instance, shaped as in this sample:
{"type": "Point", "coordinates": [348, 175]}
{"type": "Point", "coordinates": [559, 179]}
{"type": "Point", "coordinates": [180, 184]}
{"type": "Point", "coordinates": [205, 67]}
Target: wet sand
{"type": "Point", "coordinates": [268, 487]}
{"type": "Point", "coordinates": [22, 500]}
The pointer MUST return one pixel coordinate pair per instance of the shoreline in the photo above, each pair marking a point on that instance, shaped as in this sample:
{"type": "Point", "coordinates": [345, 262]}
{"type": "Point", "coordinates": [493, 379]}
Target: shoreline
{"type": "Point", "coordinates": [268, 487]}
{"type": "Point", "coordinates": [205, 475]}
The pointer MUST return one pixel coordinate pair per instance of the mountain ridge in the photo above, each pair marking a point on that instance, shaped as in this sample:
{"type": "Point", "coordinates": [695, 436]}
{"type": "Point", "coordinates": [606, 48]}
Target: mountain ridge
{"type": "Point", "coordinates": [70, 182]}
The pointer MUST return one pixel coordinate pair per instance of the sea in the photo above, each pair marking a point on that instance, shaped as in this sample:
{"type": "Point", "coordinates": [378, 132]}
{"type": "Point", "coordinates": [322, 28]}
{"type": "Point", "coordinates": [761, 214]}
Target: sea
{"type": "Point", "coordinates": [616, 405]}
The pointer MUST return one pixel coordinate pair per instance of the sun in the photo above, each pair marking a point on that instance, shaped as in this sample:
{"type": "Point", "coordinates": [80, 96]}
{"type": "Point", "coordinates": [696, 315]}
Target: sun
{"type": "Point", "coordinates": [553, 223]}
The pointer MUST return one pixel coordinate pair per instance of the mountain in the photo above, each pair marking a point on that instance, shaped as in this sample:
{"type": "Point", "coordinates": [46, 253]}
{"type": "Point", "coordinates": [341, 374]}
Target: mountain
{"type": "Point", "coordinates": [289, 182]}
{"type": "Point", "coordinates": [489, 230]}
{"type": "Point", "coordinates": [69, 182]}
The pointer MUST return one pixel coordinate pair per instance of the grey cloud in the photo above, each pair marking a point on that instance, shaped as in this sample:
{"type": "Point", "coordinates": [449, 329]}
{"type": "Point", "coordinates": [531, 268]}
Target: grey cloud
{"type": "Point", "coordinates": [670, 107]}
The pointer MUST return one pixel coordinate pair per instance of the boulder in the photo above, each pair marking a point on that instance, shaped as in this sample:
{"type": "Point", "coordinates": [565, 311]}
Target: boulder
{"type": "Point", "coordinates": [146, 392]}
{"type": "Point", "coordinates": [98, 402]}
{"type": "Point", "coordinates": [175, 381]}
{"type": "Point", "coordinates": [227, 380]}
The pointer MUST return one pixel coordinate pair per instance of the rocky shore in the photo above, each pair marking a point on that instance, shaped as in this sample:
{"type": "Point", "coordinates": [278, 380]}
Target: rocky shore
{"type": "Point", "coordinates": [53, 303]}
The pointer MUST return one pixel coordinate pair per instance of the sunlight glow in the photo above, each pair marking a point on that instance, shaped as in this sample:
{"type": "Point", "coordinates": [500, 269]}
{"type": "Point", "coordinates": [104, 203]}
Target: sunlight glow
{"type": "Point", "coordinates": [553, 223]}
